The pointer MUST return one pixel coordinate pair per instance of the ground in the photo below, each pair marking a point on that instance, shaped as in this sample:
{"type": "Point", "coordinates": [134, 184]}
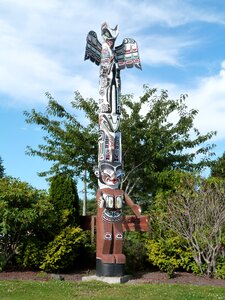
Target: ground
{"type": "Point", "coordinates": [145, 277]}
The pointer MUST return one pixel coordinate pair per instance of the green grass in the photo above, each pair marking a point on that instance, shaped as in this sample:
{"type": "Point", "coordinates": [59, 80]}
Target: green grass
{"type": "Point", "coordinates": [54, 290]}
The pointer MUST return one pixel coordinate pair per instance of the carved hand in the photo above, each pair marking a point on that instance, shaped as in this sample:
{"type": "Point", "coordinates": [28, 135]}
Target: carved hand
{"type": "Point", "coordinates": [137, 210]}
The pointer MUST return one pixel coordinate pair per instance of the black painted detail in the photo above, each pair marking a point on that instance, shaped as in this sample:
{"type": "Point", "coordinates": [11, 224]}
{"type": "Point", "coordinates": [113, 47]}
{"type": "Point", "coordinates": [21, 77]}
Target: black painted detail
{"type": "Point", "coordinates": [109, 270]}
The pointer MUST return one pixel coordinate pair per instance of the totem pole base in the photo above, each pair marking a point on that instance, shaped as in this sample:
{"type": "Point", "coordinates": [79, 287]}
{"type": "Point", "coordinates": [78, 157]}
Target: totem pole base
{"type": "Point", "coordinates": [109, 270]}
{"type": "Point", "coordinates": [109, 273]}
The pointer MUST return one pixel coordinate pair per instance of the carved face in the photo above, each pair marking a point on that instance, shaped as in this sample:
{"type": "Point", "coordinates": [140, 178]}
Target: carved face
{"type": "Point", "coordinates": [109, 34]}
{"type": "Point", "coordinates": [110, 175]}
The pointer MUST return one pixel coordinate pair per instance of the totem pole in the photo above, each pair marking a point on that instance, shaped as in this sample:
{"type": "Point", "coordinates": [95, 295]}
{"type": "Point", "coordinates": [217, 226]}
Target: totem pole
{"type": "Point", "coordinates": [110, 260]}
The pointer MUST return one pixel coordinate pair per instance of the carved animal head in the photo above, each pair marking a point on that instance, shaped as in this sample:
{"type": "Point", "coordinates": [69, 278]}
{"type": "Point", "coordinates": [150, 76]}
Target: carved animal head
{"type": "Point", "coordinates": [109, 34]}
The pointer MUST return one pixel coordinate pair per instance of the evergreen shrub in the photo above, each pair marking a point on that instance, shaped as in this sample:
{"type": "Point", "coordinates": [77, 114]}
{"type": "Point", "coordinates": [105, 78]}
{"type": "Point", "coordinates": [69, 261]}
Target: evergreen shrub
{"type": "Point", "coordinates": [169, 254]}
{"type": "Point", "coordinates": [62, 252]}
{"type": "Point", "coordinates": [135, 251]}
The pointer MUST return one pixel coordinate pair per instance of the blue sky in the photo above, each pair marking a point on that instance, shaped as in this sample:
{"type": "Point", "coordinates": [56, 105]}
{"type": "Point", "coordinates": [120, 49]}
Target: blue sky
{"type": "Point", "coordinates": [181, 45]}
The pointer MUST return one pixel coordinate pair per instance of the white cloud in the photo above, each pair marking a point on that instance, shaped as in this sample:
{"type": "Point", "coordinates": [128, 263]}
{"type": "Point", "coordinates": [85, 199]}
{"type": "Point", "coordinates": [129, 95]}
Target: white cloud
{"type": "Point", "coordinates": [26, 73]}
{"type": "Point", "coordinates": [209, 99]}
{"type": "Point", "coordinates": [42, 42]}
{"type": "Point", "coordinates": [164, 50]}
{"type": "Point", "coordinates": [169, 13]}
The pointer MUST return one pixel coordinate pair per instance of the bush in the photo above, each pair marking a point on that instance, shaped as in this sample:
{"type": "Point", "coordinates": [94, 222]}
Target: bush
{"type": "Point", "coordinates": [30, 253]}
{"type": "Point", "coordinates": [20, 210]}
{"type": "Point", "coordinates": [220, 267]}
{"type": "Point", "coordinates": [87, 253]}
{"type": "Point", "coordinates": [72, 248]}
{"type": "Point", "coordinates": [135, 251]}
{"type": "Point", "coordinates": [192, 208]}
{"type": "Point", "coordinates": [2, 261]}
{"type": "Point", "coordinates": [64, 197]}
{"type": "Point", "coordinates": [169, 254]}
{"type": "Point", "coordinates": [62, 252]}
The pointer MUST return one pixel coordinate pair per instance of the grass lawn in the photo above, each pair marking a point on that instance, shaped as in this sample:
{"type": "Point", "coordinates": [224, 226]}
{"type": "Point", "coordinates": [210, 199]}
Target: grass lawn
{"type": "Point", "coordinates": [54, 290]}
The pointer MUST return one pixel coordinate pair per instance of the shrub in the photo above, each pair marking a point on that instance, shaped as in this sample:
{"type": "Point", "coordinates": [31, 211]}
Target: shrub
{"type": "Point", "coordinates": [192, 208]}
{"type": "Point", "coordinates": [135, 251]}
{"type": "Point", "coordinates": [20, 209]}
{"type": "Point", "coordinates": [220, 267]}
{"type": "Point", "coordinates": [62, 252]}
{"type": "Point", "coordinates": [64, 197]}
{"type": "Point", "coordinates": [169, 254]}
{"type": "Point", "coordinates": [30, 253]}
{"type": "Point", "coordinates": [196, 212]}
{"type": "Point", "coordinates": [87, 252]}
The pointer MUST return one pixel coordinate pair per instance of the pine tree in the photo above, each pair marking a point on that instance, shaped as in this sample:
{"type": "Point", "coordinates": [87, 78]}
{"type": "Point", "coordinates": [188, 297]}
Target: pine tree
{"type": "Point", "coordinates": [64, 197]}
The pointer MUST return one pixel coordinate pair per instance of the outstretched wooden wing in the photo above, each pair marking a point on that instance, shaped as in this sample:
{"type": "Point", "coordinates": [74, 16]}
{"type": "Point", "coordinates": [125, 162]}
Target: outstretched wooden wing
{"type": "Point", "coordinates": [93, 48]}
{"type": "Point", "coordinates": [127, 54]}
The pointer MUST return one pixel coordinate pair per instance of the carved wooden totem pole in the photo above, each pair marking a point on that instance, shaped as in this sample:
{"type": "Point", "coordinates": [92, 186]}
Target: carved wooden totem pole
{"type": "Point", "coordinates": [110, 260]}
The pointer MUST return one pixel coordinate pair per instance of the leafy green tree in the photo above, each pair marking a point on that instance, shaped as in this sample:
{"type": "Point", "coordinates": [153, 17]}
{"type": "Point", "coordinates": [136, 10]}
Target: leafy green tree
{"type": "Point", "coordinates": [159, 136]}
{"type": "Point", "coordinates": [218, 167]}
{"type": "Point", "coordinates": [20, 208]}
{"type": "Point", "coordinates": [64, 198]}
{"type": "Point", "coordinates": [69, 144]}
{"type": "Point", "coordinates": [2, 169]}
{"type": "Point", "coordinates": [152, 142]}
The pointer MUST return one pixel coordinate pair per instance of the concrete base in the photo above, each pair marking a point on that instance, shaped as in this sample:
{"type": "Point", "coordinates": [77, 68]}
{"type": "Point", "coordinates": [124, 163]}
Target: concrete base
{"type": "Point", "coordinates": [121, 279]}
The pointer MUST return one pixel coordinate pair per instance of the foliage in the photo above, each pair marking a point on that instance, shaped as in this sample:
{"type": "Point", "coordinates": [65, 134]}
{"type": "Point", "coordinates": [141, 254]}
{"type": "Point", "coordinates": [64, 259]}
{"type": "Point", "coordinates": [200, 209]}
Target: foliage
{"type": "Point", "coordinates": [151, 142]}
{"type": "Point", "coordinates": [91, 207]}
{"type": "Point", "coordinates": [61, 253]}
{"type": "Point", "coordinates": [39, 230]}
{"type": "Point", "coordinates": [190, 208]}
{"type": "Point", "coordinates": [135, 251]}
{"type": "Point", "coordinates": [30, 253]}
{"type": "Point", "coordinates": [218, 167]}
{"type": "Point", "coordinates": [169, 254]}
{"type": "Point", "coordinates": [196, 212]}
{"type": "Point", "coordinates": [87, 252]}
{"type": "Point", "coordinates": [168, 183]}
{"type": "Point", "coordinates": [220, 267]}
{"type": "Point", "coordinates": [64, 198]}
{"type": "Point", "coordinates": [2, 168]}
{"type": "Point", "coordinates": [54, 243]}
{"type": "Point", "coordinates": [71, 146]}
{"type": "Point", "coordinates": [20, 207]}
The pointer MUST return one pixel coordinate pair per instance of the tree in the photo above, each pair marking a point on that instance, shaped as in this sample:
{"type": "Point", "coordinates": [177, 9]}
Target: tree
{"type": "Point", "coordinates": [196, 212]}
{"type": "Point", "coordinates": [20, 208]}
{"type": "Point", "coordinates": [64, 198]}
{"type": "Point", "coordinates": [218, 167]}
{"type": "Point", "coordinates": [69, 144]}
{"type": "Point", "coordinates": [2, 169]}
{"type": "Point", "coordinates": [152, 143]}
